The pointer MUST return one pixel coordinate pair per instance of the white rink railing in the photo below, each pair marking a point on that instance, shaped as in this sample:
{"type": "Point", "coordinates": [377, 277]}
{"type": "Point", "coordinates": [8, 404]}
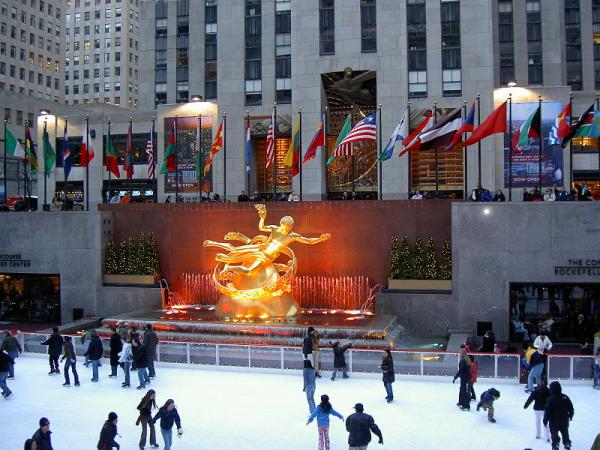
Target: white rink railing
{"type": "Point", "coordinates": [424, 363]}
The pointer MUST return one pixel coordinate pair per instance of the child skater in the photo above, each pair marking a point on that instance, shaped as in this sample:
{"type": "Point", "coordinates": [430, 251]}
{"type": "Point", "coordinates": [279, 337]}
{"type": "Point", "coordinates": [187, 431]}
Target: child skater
{"type": "Point", "coordinates": [322, 413]}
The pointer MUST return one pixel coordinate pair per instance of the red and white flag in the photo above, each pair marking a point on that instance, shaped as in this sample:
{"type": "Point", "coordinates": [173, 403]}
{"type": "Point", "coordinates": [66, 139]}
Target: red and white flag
{"type": "Point", "coordinates": [87, 152]}
{"type": "Point", "coordinates": [271, 142]}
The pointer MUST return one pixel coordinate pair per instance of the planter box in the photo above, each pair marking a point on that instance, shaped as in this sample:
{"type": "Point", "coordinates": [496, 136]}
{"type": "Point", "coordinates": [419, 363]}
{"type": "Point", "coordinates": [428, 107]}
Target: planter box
{"type": "Point", "coordinates": [420, 285]}
{"type": "Point", "coordinates": [134, 280]}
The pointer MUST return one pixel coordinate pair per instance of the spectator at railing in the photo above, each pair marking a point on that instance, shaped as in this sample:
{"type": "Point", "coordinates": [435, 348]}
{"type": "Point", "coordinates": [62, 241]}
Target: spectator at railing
{"type": "Point", "coordinates": [499, 197]}
{"type": "Point", "coordinates": [549, 195]}
{"type": "Point", "coordinates": [562, 195]}
{"type": "Point", "coordinates": [417, 196]}
{"type": "Point", "coordinates": [256, 197]}
{"type": "Point", "coordinates": [293, 197]}
{"type": "Point", "coordinates": [536, 195]}
{"type": "Point", "coordinates": [243, 197]}
{"type": "Point", "coordinates": [485, 196]}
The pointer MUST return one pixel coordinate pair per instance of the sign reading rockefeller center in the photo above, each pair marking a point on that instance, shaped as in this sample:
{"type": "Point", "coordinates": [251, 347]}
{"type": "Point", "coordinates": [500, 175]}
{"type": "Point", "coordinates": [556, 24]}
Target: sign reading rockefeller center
{"type": "Point", "coordinates": [588, 267]}
{"type": "Point", "coordinates": [14, 260]}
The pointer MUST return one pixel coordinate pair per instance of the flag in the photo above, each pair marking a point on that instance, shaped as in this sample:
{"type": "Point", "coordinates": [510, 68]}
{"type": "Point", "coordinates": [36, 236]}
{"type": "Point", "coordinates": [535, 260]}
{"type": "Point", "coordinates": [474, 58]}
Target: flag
{"type": "Point", "coordinates": [573, 129]}
{"type": "Point", "coordinates": [467, 127]}
{"type": "Point", "coordinates": [531, 128]}
{"type": "Point", "coordinates": [169, 159]}
{"type": "Point", "coordinates": [412, 140]}
{"type": "Point", "coordinates": [595, 129]}
{"type": "Point", "coordinates": [87, 152]}
{"type": "Point", "coordinates": [365, 130]}
{"type": "Point", "coordinates": [128, 160]}
{"type": "Point", "coordinates": [49, 153]}
{"type": "Point", "coordinates": [30, 151]}
{"type": "Point", "coordinates": [346, 127]}
{"type": "Point", "coordinates": [112, 157]}
{"type": "Point", "coordinates": [318, 140]}
{"type": "Point", "coordinates": [292, 157]}
{"type": "Point", "coordinates": [150, 154]}
{"type": "Point", "coordinates": [560, 123]}
{"type": "Point", "coordinates": [66, 154]}
{"type": "Point", "coordinates": [399, 134]}
{"type": "Point", "coordinates": [586, 127]}
{"type": "Point", "coordinates": [271, 142]}
{"type": "Point", "coordinates": [13, 146]}
{"type": "Point", "coordinates": [248, 147]}
{"type": "Point", "coordinates": [495, 123]}
{"type": "Point", "coordinates": [217, 145]}
{"type": "Point", "coordinates": [442, 132]}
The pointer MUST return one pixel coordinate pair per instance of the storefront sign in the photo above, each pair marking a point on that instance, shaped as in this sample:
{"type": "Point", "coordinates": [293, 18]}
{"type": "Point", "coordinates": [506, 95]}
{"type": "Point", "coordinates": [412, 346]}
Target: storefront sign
{"type": "Point", "coordinates": [14, 260]}
{"type": "Point", "coordinates": [586, 267]}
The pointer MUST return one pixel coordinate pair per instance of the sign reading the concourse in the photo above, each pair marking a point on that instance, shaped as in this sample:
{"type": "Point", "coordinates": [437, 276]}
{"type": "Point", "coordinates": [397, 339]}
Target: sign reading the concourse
{"type": "Point", "coordinates": [579, 267]}
{"type": "Point", "coordinates": [14, 260]}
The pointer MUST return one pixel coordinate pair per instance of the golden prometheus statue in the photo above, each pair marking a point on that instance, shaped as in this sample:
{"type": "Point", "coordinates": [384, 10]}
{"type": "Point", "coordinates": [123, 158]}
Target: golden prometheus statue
{"type": "Point", "coordinates": [251, 283]}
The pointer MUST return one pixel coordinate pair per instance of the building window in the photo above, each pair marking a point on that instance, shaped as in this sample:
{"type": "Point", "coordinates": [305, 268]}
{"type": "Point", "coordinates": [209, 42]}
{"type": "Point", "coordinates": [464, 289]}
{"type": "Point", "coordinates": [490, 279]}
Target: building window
{"type": "Point", "coordinates": [326, 27]}
{"type": "Point", "coordinates": [596, 37]}
{"type": "Point", "coordinates": [451, 55]}
{"type": "Point", "coordinates": [283, 50]}
{"type": "Point", "coordinates": [417, 48]}
{"type": "Point", "coordinates": [573, 44]}
{"type": "Point", "coordinates": [368, 26]}
{"type": "Point", "coordinates": [210, 50]}
{"type": "Point", "coordinates": [253, 56]}
{"type": "Point", "coordinates": [506, 41]}
{"type": "Point", "coordinates": [534, 42]}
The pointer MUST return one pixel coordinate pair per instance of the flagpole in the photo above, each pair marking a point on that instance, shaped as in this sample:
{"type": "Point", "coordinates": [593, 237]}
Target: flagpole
{"type": "Point", "coordinates": [109, 172]}
{"type": "Point", "coordinates": [130, 157]}
{"type": "Point", "coordinates": [465, 165]}
{"type": "Point", "coordinates": [353, 159]}
{"type": "Point", "coordinates": [509, 148]}
{"type": "Point", "coordinates": [598, 141]}
{"type": "Point", "coordinates": [379, 123]}
{"type": "Point", "coordinates": [479, 142]}
{"type": "Point", "coordinates": [437, 175]}
{"type": "Point", "coordinates": [4, 162]}
{"type": "Point", "coordinates": [199, 159]}
{"type": "Point", "coordinates": [87, 166]}
{"type": "Point", "coordinates": [570, 144]}
{"type": "Point", "coordinates": [409, 174]}
{"type": "Point", "coordinates": [246, 152]}
{"type": "Point", "coordinates": [274, 162]}
{"type": "Point", "coordinates": [225, 157]}
{"type": "Point", "coordinates": [66, 189]}
{"type": "Point", "coordinates": [176, 163]}
{"type": "Point", "coordinates": [541, 147]}
{"type": "Point", "coordinates": [44, 159]}
{"type": "Point", "coordinates": [325, 149]}
{"type": "Point", "coordinates": [299, 149]}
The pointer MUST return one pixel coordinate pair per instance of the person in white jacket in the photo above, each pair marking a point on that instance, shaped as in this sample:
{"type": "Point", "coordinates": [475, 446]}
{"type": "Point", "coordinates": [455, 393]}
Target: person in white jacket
{"type": "Point", "coordinates": [125, 358]}
{"type": "Point", "coordinates": [542, 343]}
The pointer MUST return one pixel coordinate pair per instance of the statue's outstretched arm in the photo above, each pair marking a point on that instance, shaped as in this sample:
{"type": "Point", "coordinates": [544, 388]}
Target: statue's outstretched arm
{"type": "Point", "coordinates": [262, 213]}
{"type": "Point", "coordinates": [311, 241]}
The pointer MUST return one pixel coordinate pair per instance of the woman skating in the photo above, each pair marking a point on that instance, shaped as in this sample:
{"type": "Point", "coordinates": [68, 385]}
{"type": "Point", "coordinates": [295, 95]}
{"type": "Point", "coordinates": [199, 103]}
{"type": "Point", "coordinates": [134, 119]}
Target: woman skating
{"type": "Point", "coordinates": [147, 404]}
{"type": "Point", "coordinates": [108, 433]}
{"type": "Point", "coordinates": [322, 413]}
{"type": "Point", "coordinates": [140, 357]}
{"type": "Point", "coordinates": [125, 358]}
{"type": "Point", "coordinates": [168, 415]}
{"type": "Point", "coordinates": [464, 373]}
{"type": "Point", "coordinates": [539, 397]}
{"type": "Point", "coordinates": [387, 367]}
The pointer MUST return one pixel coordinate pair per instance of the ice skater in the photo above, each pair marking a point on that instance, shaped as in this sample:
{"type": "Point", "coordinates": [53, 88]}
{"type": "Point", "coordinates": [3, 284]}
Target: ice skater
{"type": "Point", "coordinates": [95, 352]}
{"type": "Point", "coordinates": [316, 358]}
{"type": "Point", "coordinates": [168, 416]}
{"type": "Point", "coordinates": [536, 367]}
{"type": "Point", "coordinates": [339, 359]}
{"type": "Point", "coordinates": [539, 398]}
{"type": "Point", "coordinates": [140, 358]}
{"type": "Point", "coordinates": [125, 358]}
{"type": "Point", "coordinates": [150, 342]}
{"type": "Point", "coordinates": [310, 384]}
{"type": "Point", "coordinates": [597, 369]}
{"type": "Point", "coordinates": [464, 373]}
{"type": "Point", "coordinates": [86, 337]}
{"type": "Point", "coordinates": [55, 348]}
{"type": "Point", "coordinates": [307, 344]}
{"type": "Point", "coordinates": [322, 413]}
{"type": "Point", "coordinates": [43, 436]}
{"type": "Point", "coordinates": [11, 345]}
{"type": "Point", "coordinates": [30, 445]}
{"type": "Point", "coordinates": [387, 367]}
{"type": "Point", "coordinates": [474, 368]}
{"type": "Point", "coordinates": [147, 404]}
{"type": "Point", "coordinates": [487, 403]}
{"type": "Point", "coordinates": [557, 415]}
{"type": "Point", "coordinates": [70, 360]}
{"type": "Point", "coordinates": [360, 426]}
{"type": "Point", "coordinates": [5, 364]}
{"type": "Point", "coordinates": [108, 433]}
{"type": "Point", "coordinates": [116, 345]}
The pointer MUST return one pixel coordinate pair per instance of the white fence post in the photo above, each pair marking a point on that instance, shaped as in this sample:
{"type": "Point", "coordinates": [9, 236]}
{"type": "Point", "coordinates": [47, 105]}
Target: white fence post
{"type": "Point", "coordinates": [217, 358]}
{"type": "Point", "coordinates": [571, 368]}
{"type": "Point", "coordinates": [187, 348]}
{"type": "Point", "coordinates": [158, 352]}
{"type": "Point", "coordinates": [495, 366]}
{"type": "Point", "coordinates": [548, 372]}
{"type": "Point", "coordinates": [249, 358]}
{"type": "Point", "coordinates": [282, 363]}
{"type": "Point", "coordinates": [422, 363]}
{"type": "Point", "coordinates": [350, 359]}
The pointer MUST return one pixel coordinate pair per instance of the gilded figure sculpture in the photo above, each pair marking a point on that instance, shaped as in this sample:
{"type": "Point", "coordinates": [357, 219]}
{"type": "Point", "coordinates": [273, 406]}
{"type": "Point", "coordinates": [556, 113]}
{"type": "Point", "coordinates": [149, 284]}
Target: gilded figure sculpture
{"type": "Point", "coordinates": [251, 282]}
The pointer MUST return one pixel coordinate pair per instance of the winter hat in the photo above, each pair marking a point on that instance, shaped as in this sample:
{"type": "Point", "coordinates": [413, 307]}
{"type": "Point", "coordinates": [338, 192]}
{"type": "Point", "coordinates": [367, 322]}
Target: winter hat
{"type": "Point", "coordinates": [112, 416]}
{"type": "Point", "coordinates": [44, 422]}
{"type": "Point", "coordinates": [359, 407]}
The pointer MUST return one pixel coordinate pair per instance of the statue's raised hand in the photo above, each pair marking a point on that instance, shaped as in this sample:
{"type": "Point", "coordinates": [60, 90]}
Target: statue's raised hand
{"type": "Point", "coordinates": [325, 236]}
{"type": "Point", "coordinates": [262, 210]}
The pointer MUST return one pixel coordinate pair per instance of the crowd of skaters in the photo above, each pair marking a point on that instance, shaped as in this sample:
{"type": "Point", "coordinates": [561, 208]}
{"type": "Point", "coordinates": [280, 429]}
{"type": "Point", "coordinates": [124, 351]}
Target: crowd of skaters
{"type": "Point", "coordinates": [553, 410]}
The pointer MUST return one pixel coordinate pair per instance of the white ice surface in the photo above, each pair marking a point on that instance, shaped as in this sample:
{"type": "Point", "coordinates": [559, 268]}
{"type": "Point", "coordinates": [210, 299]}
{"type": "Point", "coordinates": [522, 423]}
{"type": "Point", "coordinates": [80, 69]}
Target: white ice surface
{"type": "Point", "coordinates": [251, 409]}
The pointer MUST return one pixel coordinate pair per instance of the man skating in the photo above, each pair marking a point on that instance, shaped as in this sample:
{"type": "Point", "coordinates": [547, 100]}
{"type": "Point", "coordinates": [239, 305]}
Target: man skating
{"type": "Point", "coordinates": [557, 415]}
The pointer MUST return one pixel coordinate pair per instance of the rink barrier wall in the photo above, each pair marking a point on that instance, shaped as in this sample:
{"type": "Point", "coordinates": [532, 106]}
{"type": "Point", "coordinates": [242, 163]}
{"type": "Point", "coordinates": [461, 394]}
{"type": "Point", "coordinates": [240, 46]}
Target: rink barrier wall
{"type": "Point", "coordinates": [499, 366]}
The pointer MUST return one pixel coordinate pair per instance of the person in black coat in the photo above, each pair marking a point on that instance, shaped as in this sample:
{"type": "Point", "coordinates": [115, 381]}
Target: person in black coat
{"type": "Point", "coordinates": [360, 426]}
{"type": "Point", "coordinates": [95, 352]}
{"type": "Point", "coordinates": [6, 363]}
{"type": "Point", "coordinates": [339, 360]}
{"type": "Point", "coordinates": [307, 344]}
{"type": "Point", "coordinates": [116, 345]}
{"type": "Point", "coordinates": [42, 436]}
{"type": "Point", "coordinates": [489, 340]}
{"type": "Point", "coordinates": [55, 348]}
{"type": "Point", "coordinates": [557, 415]}
{"type": "Point", "coordinates": [150, 343]}
{"type": "Point", "coordinates": [539, 397]}
{"type": "Point", "coordinates": [387, 367]}
{"type": "Point", "coordinates": [140, 358]}
{"type": "Point", "coordinates": [464, 372]}
{"type": "Point", "coordinates": [108, 433]}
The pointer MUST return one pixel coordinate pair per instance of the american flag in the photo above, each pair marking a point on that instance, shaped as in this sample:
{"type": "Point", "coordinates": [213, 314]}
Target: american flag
{"type": "Point", "coordinates": [150, 153]}
{"type": "Point", "coordinates": [271, 142]}
{"type": "Point", "coordinates": [365, 130]}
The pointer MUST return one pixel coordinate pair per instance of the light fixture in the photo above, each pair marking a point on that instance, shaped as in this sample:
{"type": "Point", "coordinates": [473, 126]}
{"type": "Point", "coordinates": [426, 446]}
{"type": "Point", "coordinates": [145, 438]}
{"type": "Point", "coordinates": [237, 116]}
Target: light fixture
{"type": "Point", "coordinates": [511, 84]}
{"type": "Point", "coordinates": [196, 98]}
{"type": "Point", "coordinates": [44, 112]}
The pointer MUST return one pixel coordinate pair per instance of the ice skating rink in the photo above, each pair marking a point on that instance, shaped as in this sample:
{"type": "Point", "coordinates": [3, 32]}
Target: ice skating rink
{"type": "Point", "coordinates": [239, 409]}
